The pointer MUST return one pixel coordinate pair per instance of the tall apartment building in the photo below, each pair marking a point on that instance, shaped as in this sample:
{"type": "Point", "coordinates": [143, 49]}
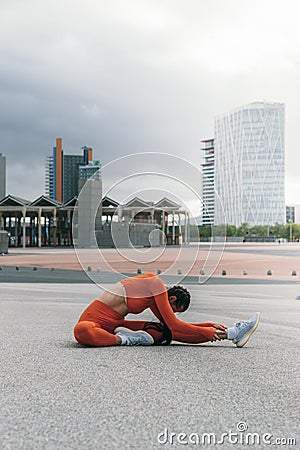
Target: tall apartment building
{"type": "Point", "coordinates": [250, 165]}
{"type": "Point", "coordinates": [208, 181]}
{"type": "Point", "coordinates": [62, 172]}
{"type": "Point", "coordinates": [290, 214]}
{"type": "Point", "coordinates": [2, 176]}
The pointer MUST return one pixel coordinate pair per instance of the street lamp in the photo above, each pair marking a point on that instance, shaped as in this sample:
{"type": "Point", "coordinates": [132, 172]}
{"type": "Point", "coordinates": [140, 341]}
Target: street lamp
{"type": "Point", "coordinates": [291, 230]}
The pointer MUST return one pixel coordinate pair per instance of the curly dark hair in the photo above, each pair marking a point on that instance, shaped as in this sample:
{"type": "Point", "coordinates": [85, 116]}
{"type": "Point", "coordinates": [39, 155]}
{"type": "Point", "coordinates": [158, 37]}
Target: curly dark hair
{"type": "Point", "coordinates": [183, 296]}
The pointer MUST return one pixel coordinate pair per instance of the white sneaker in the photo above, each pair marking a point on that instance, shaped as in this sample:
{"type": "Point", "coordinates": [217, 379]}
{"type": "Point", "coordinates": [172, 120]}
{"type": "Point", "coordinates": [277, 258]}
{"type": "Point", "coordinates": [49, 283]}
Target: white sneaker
{"type": "Point", "coordinates": [244, 330]}
{"type": "Point", "coordinates": [130, 337]}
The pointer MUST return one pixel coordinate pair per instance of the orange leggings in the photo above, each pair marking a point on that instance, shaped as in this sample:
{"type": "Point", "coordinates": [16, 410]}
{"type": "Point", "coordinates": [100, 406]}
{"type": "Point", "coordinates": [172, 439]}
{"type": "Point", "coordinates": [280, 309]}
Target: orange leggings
{"type": "Point", "coordinates": [97, 323]}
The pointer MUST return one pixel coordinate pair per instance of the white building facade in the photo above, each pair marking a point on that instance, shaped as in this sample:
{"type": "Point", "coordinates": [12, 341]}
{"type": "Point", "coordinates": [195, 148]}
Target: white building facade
{"type": "Point", "coordinates": [208, 181]}
{"type": "Point", "coordinates": [250, 165]}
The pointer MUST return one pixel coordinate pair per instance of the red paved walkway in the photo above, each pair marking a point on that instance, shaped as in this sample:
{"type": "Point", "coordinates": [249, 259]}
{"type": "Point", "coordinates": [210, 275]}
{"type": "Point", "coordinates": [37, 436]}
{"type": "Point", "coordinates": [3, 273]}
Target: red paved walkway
{"type": "Point", "coordinates": [188, 260]}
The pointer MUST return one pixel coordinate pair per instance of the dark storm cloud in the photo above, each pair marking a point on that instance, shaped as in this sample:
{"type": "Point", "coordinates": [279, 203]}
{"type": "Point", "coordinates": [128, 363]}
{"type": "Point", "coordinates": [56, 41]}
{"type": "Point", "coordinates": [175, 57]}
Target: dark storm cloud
{"type": "Point", "coordinates": [135, 76]}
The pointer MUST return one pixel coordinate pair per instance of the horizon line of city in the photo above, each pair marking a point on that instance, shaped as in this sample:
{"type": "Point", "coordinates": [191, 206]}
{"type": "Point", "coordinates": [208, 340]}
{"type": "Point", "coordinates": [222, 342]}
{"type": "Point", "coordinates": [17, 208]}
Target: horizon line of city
{"type": "Point", "coordinates": [249, 139]}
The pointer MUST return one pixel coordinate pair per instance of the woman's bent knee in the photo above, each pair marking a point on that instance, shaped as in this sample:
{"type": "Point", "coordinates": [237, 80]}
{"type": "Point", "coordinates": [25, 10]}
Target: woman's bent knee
{"type": "Point", "coordinates": [83, 332]}
{"type": "Point", "coordinates": [91, 334]}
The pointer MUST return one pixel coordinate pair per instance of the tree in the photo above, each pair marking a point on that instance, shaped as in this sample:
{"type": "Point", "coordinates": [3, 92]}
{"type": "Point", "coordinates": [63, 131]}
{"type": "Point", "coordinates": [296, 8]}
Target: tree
{"type": "Point", "coordinates": [231, 230]}
{"type": "Point", "coordinates": [296, 230]}
{"type": "Point", "coordinates": [243, 230]}
{"type": "Point", "coordinates": [293, 229]}
{"type": "Point", "coordinates": [205, 231]}
{"type": "Point", "coordinates": [259, 230]}
{"type": "Point", "coordinates": [279, 231]}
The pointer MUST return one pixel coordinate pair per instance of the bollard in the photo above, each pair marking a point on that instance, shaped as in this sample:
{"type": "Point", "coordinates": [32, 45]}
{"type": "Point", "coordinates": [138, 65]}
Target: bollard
{"type": "Point", "coordinates": [224, 272]}
{"type": "Point", "coordinates": [52, 268]}
{"type": "Point", "coordinates": [89, 269]}
{"type": "Point", "coordinates": [179, 272]}
{"type": "Point", "coordinates": [294, 273]}
{"type": "Point", "coordinates": [202, 272]}
{"type": "Point", "coordinates": [269, 272]}
{"type": "Point", "coordinates": [1, 268]}
{"type": "Point", "coordinates": [17, 268]}
{"type": "Point", "coordinates": [139, 271]}
{"type": "Point", "coordinates": [245, 272]}
{"type": "Point", "coordinates": [98, 269]}
{"type": "Point", "coordinates": [158, 271]}
{"type": "Point", "coordinates": [35, 268]}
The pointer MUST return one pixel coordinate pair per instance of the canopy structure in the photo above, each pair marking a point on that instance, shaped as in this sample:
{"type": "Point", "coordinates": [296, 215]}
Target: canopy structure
{"type": "Point", "coordinates": [45, 221]}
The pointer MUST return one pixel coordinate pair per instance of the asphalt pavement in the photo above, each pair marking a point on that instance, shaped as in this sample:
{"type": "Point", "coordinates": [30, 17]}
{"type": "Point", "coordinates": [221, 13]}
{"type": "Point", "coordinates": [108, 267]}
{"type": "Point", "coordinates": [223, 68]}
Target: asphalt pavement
{"type": "Point", "coordinates": [56, 394]}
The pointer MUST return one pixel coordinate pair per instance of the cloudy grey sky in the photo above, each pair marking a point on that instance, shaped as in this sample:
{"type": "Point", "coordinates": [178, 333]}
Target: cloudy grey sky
{"type": "Point", "coordinates": [128, 76]}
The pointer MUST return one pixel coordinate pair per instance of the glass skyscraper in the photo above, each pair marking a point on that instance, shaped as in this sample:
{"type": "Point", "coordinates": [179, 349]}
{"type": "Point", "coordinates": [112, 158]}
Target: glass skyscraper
{"type": "Point", "coordinates": [250, 165]}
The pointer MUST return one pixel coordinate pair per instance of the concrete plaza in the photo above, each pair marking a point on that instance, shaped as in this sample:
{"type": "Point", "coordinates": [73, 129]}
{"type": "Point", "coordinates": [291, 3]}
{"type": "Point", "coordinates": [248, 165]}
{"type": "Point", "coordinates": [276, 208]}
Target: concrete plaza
{"type": "Point", "coordinates": [56, 394]}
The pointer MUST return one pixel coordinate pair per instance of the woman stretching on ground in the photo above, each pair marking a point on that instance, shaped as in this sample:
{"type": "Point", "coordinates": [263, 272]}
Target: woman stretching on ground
{"type": "Point", "coordinates": [103, 324]}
